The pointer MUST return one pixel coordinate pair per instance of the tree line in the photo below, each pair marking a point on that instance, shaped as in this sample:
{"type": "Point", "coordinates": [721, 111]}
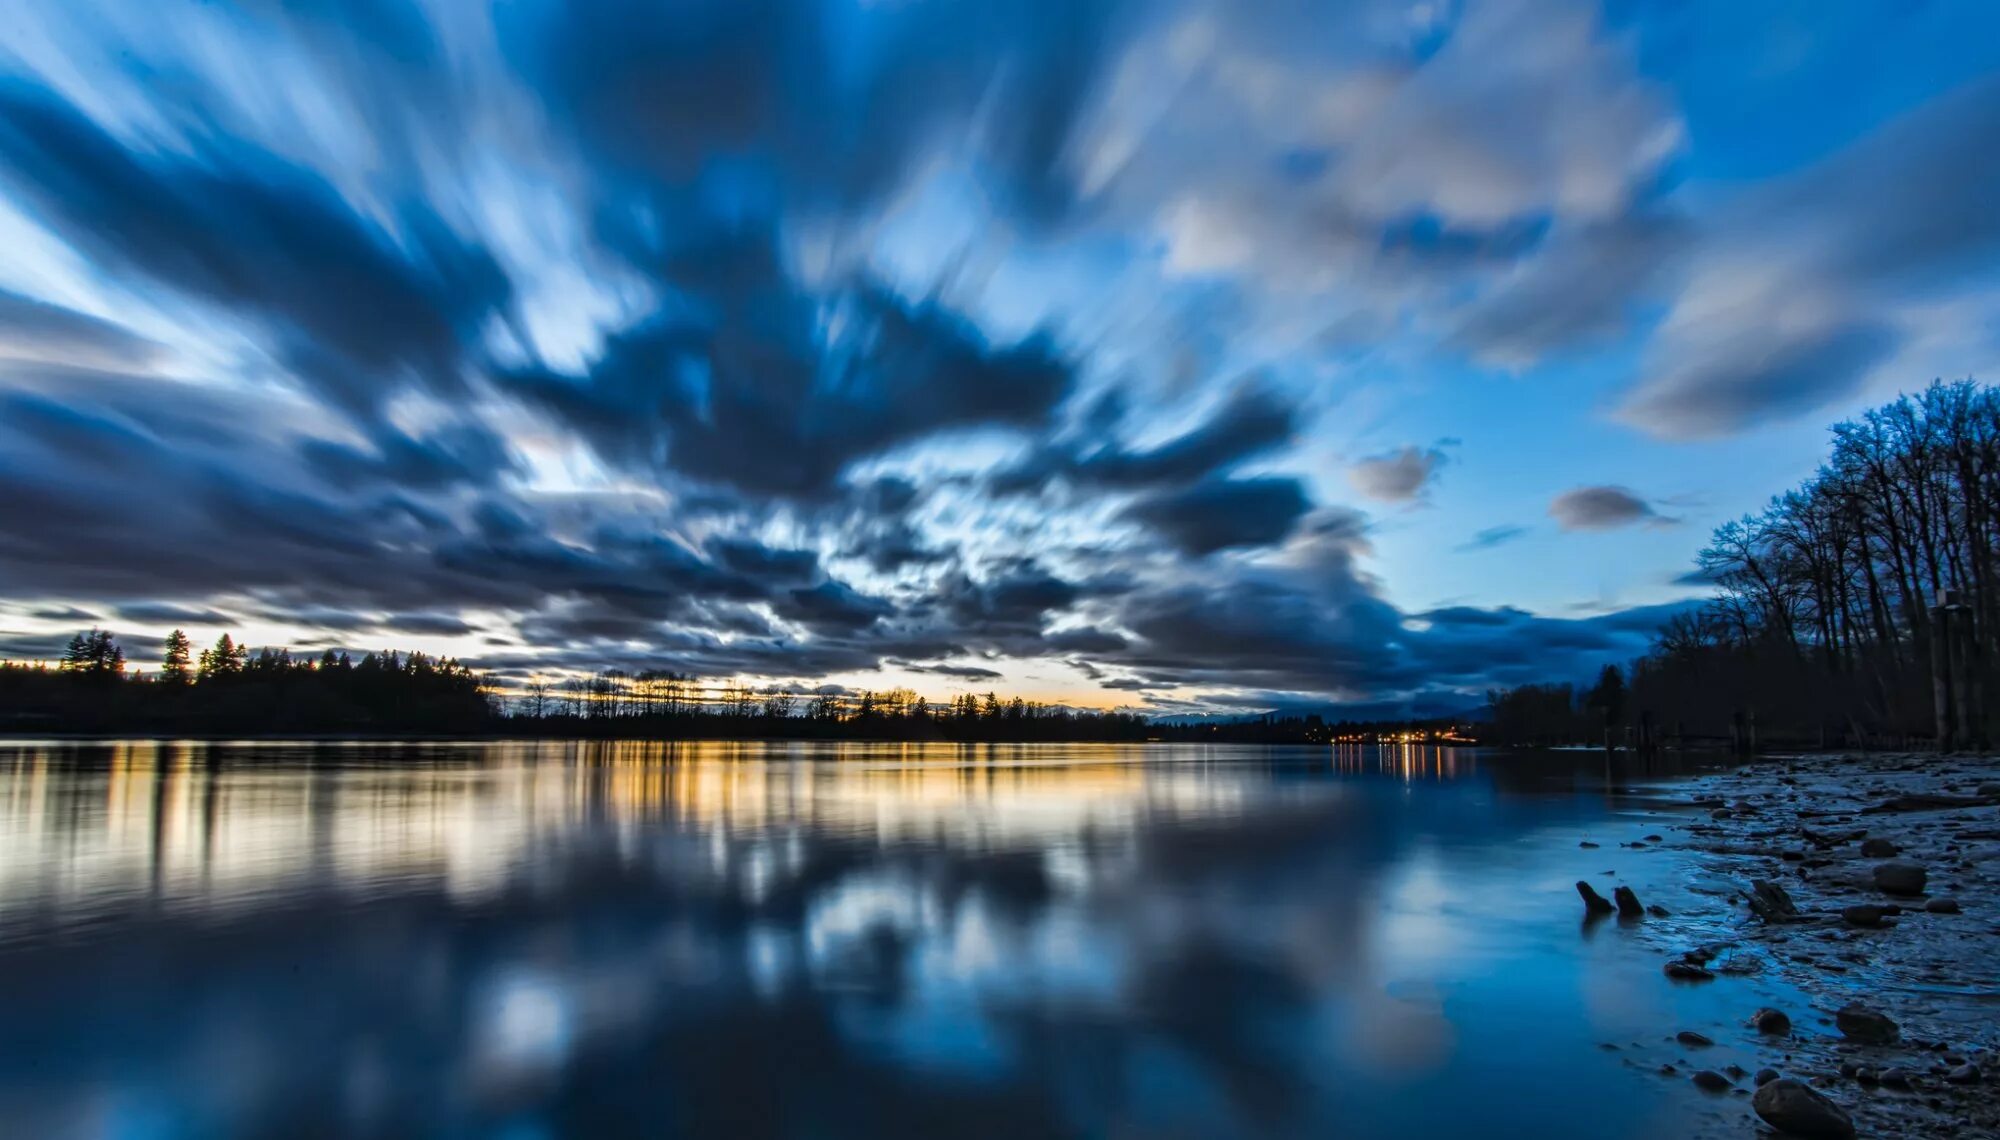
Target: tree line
{"type": "Point", "coordinates": [1839, 607]}
{"type": "Point", "coordinates": [228, 688]}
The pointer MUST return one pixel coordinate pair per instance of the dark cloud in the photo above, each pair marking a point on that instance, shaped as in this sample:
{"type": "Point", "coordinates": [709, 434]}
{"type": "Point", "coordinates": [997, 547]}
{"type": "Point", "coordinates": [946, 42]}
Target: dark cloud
{"type": "Point", "coordinates": [37, 330]}
{"type": "Point", "coordinates": [354, 309]}
{"type": "Point", "coordinates": [1253, 421]}
{"type": "Point", "coordinates": [168, 613]}
{"type": "Point", "coordinates": [1765, 374]}
{"type": "Point", "coordinates": [1493, 536]}
{"type": "Point", "coordinates": [962, 672]}
{"type": "Point", "coordinates": [1399, 476]}
{"type": "Point", "coordinates": [1223, 513]}
{"type": "Point", "coordinates": [761, 397]}
{"type": "Point", "coordinates": [1602, 508]}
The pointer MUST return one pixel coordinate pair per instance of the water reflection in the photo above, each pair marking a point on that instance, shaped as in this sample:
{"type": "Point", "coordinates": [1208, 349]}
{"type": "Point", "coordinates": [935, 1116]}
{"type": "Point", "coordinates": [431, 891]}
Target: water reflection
{"type": "Point", "coordinates": [739, 939]}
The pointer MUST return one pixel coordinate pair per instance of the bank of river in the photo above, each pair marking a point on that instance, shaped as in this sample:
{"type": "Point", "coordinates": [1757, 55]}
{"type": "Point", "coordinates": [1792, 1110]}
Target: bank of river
{"type": "Point", "coordinates": [1889, 971]}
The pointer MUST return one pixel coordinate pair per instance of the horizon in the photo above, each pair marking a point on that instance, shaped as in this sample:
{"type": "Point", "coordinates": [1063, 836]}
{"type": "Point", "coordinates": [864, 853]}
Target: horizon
{"type": "Point", "coordinates": [1115, 356]}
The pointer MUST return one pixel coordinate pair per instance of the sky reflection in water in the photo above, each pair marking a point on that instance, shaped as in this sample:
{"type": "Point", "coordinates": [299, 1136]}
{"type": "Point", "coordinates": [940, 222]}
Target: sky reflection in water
{"type": "Point", "coordinates": [528, 940]}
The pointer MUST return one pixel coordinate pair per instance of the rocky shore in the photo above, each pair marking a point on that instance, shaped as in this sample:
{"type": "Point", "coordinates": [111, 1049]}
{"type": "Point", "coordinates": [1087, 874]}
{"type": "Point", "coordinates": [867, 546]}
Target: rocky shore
{"type": "Point", "coordinates": [1867, 890]}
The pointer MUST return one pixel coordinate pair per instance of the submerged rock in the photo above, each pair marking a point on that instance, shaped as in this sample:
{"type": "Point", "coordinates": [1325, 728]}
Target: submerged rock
{"type": "Point", "coordinates": [1859, 1023]}
{"type": "Point", "coordinates": [1688, 972]}
{"type": "Point", "coordinates": [1796, 1109]}
{"type": "Point", "coordinates": [1766, 1076]}
{"type": "Point", "coordinates": [1593, 903]}
{"type": "Point", "coordinates": [1690, 1037]}
{"type": "Point", "coordinates": [1879, 849]}
{"type": "Point", "coordinates": [1628, 903]}
{"type": "Point", "coordinates": [1657, 911]}
{"type": "Point", "coordinates": [1901, 878]}
{"type": "Point", "coordinates": [1771, 1021]}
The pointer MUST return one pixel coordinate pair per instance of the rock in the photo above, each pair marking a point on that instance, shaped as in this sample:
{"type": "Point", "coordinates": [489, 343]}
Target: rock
{"type": "Point", "coordinates": [1708, 1080]}
{"type": "Point", "coordinates": [1593, 903]}
{"type": "Point", "coordinates": [1859, 1023]}
{"type": "Point", "coordinates": [1879, 849]}
{"type": "Point", "coordinates": [1796, 1109]}
{"type": "Point", "coordinates": [1989, 790]}
{"type": "Point", "coordinates": [1769, 902]}
{"type": "Point", "coordinates": [1964, 1075]}
{"type": "Point", "coordinates": [1926, 802]}
{"type": "Point", "coordinates": [1942, 906]}
{"type": "Point", "coordinates": [1900, 878]}
{"type": "Point", "coordinates": [1657, 911]}
{"type": "Point", "coordinates": [1734, 1072]}
{"type": "Point", "coordinates": [1766, 1076]}
{"type": "Point", "coordinates": [1895, 1077]}
{"type": "Point", "coordinates": [1586, 843]}
{"type": "Point", "coordinates": [1690, 1037]}
{"type": "Point", "coordinates": [1864, 916]}
{"type": "Point", "coordinates": [1688, 972]}
{"type": "Point", "coordinates": [1656, 839]}
{"type": "Point", "coordinates": [1628, 903]}
{"type": "Point", "coordinates": [1771, 1021]}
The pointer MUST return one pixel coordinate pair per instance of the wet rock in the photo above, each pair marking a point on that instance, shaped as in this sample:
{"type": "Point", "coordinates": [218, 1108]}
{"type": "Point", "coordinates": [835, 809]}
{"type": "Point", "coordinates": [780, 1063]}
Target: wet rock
{"type": "Point", "coordinates": [1796, 1109]}
{"type": "Point", "coordinates": [1708, 1080]}
{"type": "Point", "coordinates": [1942, 906]}
{"type": "Point", "coordinates": [1628, 903]}
{"type": "Point", "coordinates": [1657, 911]}
{"type": "Point", "coordinates": [1690, 1037]}
{"type": "Point", "coordinates": [1928, 802]}
{"type": "Point", "coordinates": [1586, 843]}
{"type": "Point", "coordinates": [1900, 878]}
{"type": "Point", "coordinates": [1766, 1076]}
{"type": "Point", "coordinates": [1735, 1072]}
{"type": "Point", "coordinates": [1593, 903]}
{"type": "Point", "coordinates": [1859, 1023]}
{"type": "Point", "coordinates": [1771, 1021]}
{"type": "Point", "coordinates": [1769, 902]}
{"type": "Point", "coordinates": [1964, 1075]}
{"type": "Point", "coordinates": [1879, 849]}
{"type": "Point", "coordinates": [1895, 1077]}
{"type": "Point", "coordinates": [1864, 916]}
{"type": "Point", "coordinates": [1656, 839]}
{"type": "Point", "coordinates": [1688, 972]}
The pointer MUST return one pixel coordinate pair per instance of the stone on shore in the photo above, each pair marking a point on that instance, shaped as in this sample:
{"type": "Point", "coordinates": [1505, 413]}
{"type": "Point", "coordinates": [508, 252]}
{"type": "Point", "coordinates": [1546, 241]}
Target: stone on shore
{"type": "Point", "coordinates": [1708, 1080]}
{"type": "Point", "coordinates": [1859, 1023]}
{"type": "Point", "coordinates": [1967, 1074]}
{"type": "Point", "coordinates": [1688, 972]}
{"type": "Point", "coordinates": [1769, 902]}
{"type": "Point", "coordinates": [1771, 1021]}
{"type": "Point", "coordinates": [1628, 903]}
{"type": "Point", "coordinates": [1690, 1037]}
{"type": "Point", "coordinates": [1879, 849]}
{"type": "Point", "coordinates": [1901, 878]}
{"type": "Point", "coordinates": [1766, 1076]}
{"type": "Point", "coordinates": [1593, 903]}
{"type": "Point", "coordinates": [1796, 1109]}
{"type": "Point", "coordinates": [1864, 916]}
{"type": "Point", "coordinates": [1942, 906]}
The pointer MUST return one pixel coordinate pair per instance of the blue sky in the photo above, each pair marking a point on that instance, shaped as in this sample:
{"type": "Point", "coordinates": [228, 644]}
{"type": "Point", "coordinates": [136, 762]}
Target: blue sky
{"type": "Point", "coordinates": [1187, 355]}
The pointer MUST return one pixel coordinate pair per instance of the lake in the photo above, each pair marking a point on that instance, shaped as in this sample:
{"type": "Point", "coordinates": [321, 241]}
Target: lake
{"type": "Point", "coordinates": [541, 939]}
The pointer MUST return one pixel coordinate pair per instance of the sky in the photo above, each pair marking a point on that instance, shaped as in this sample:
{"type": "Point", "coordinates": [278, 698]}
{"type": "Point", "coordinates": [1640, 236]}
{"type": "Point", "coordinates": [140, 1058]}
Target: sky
{"type": "Point", "coordinates": [1187, 356]}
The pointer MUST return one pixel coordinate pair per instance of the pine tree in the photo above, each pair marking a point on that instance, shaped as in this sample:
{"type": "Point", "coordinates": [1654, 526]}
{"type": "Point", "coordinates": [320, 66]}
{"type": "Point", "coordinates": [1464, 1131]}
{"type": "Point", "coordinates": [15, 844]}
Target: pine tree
{"type": "Point", "coordinates": [226, 659]}
{"type": "Point", "coordinates": [174, 668]}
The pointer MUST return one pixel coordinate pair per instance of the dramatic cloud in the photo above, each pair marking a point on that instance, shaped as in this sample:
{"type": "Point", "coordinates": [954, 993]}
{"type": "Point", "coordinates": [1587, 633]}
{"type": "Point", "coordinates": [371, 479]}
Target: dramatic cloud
{"type": "Point", "coordinates": [1398, 476]}
{"type": "Point", "coordinates": [1602, 508]}
{"type": "Point", "coordinates": [852, 344]}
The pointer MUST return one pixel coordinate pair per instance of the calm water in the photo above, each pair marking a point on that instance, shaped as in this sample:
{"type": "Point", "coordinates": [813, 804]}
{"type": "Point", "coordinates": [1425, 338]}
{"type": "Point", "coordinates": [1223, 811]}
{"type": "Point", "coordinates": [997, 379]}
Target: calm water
{"type": "Point", "coordinates": [745, 940]}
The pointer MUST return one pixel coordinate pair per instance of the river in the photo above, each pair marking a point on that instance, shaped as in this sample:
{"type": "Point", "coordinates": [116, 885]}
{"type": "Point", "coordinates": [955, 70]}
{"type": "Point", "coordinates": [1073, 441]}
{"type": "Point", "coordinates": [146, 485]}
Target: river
{"type": "Point", "coordinates": [540, 939]}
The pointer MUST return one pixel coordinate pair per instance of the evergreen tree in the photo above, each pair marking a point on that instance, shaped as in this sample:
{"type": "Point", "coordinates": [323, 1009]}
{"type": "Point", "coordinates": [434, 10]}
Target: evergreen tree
{"type": "Point", "coordinates": [174, 668]}
{"type": "Point", "coordinates": [227, 659]}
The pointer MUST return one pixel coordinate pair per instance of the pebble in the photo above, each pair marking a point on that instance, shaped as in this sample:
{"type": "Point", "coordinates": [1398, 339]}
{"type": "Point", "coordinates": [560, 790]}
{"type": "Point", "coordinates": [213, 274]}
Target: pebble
{"type": "Point", "coordinates": [1879, 849]}
{"type": "Point", "coordinates": [1690, 1037]}
{"type": "Point", "coordinates": [1766, 1076]}
{"type": "Point", "coordinates": [1964, 1075]}
{"type": "Point", "coordinates": [1942, 906]}
{"type": "Point", "coordinates": [1900, 878]}
{"type": "Point", "coordinates": [1859, 1023]}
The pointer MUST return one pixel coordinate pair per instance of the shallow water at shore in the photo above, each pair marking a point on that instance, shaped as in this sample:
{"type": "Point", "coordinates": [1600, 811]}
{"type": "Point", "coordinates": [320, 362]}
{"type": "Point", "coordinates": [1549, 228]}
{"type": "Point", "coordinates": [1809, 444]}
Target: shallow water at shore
{"type": "Point", "coordinates": [739, 939]}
